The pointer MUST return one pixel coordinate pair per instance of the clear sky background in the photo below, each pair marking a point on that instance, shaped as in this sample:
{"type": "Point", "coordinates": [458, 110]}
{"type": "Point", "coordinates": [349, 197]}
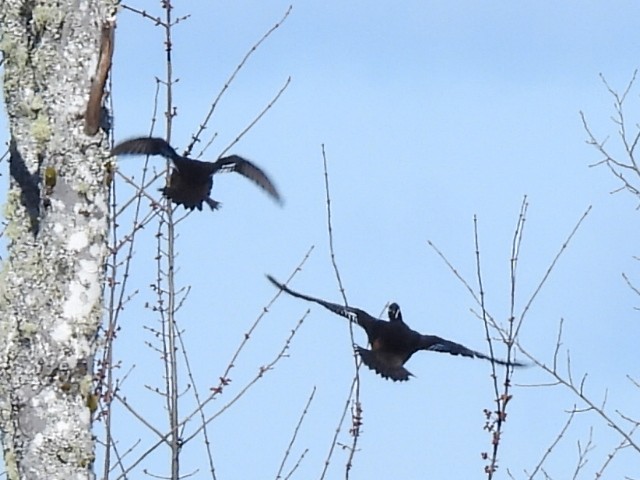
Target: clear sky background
{"type": "Point", "coordinates": [430, 113]}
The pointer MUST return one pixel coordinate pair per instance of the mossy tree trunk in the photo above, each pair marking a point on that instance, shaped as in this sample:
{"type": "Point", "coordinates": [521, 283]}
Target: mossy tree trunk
{"type": "Point", "coordinates": [57, 215]}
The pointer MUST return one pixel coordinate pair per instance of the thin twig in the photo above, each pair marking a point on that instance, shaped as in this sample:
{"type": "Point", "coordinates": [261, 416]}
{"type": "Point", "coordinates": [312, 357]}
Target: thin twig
{"type": "Point", "coordinates": [203, 125]}
{"type": "Point", "coordinates": [196, 394]}
{"type": "Point", "coordinates": [334, 442]}
{"type": "Point", "coordinates": [549, 270]}
{"type": "Point", "coordinates": [583, 452]}
{"type": "Point", "coordinates": [553, 444]}
{"type": "Point", "coordinates": [295, 467]}
{"type": "Point", "coordinates": [224, 378]}
{"type": "Point", "coordinates": [257, 119]}
{"type": "Point", "coordinates": [295, 434]}
{"type": "Point", "coordinates": [118, 294]}
{"type": "Point", "coordinates": [356, 414]}
{"type": "Point", "coordinates": [579, 392]}
{"type": "Point", "coordinates": [623, 444]}
{"type": "Point", "coordinates": [261, 371]}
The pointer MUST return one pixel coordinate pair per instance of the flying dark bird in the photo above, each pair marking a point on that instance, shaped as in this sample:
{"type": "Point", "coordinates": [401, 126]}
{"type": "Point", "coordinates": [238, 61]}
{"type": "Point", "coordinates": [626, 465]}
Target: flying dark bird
{"type": "Point", "coordinates": [191, 180]}
{"type": "Point", "coordinates": [392, 342]}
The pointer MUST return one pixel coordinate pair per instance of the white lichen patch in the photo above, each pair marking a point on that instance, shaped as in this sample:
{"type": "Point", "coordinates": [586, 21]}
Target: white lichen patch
{"type": "Point", "coordinates": [96, 250]}
{"type": "Point", "coordinates": [84, 416]}
{"type": "Point", "coordinates": [61, 332]}
{"type": "Point", "coordinates": [38, 440]}
{"type": "Point", "coordinates": [46, 399]}
{"type": "Point", "coordinates": [100, 202]}
{"type": "Point", "coordinates": [77, 241]}
{"type": "Point", "coordinates": [63, 427]}
{"type": "Point", "coordinates": [84, 292]}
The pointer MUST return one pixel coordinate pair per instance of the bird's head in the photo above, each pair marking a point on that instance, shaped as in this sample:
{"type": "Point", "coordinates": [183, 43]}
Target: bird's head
{"type": "Point", "coordinates": [394, 313]}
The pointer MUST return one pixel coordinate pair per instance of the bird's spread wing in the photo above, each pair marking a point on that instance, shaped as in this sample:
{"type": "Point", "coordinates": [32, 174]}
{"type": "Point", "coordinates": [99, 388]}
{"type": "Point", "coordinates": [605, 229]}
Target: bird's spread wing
{"type": "Point", "coordinates": [437, 344]}
{"type": "Point", "coordinates": [353, 314]}
{"type": "Point", "coordinates": [191, 170]}
{"type": "Point", "coordinates": [387, 366]}
{"type": "Point", "coordinates": [145, 146]}
{"type": "Point", "coordinates": [244, 167]}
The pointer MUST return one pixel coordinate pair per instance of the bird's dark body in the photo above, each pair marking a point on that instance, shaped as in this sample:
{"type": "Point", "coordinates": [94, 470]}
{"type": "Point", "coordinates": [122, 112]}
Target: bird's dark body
{"type": "Point", "coordinates": [191, 181]}
{"type": "Point", "coordinates": [392, 342]}
{"type": "Point", "coordinates": [189, 189]}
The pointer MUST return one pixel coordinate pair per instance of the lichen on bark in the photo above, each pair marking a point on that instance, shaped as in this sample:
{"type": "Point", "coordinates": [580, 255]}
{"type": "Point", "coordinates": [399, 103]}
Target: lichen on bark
{"type": "Point", "coordinates": [51, 280]}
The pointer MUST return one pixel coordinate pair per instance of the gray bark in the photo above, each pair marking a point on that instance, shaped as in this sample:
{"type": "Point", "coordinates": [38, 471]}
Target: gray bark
{"type": "Point", "coordinates": [51, 281]}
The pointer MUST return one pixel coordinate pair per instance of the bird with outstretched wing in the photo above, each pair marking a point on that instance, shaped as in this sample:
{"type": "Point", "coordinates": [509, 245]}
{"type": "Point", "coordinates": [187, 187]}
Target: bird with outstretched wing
{"type": "Point", "coordinates": [392, 342]}
{"type": "Point", "coordinates": [191, 180]}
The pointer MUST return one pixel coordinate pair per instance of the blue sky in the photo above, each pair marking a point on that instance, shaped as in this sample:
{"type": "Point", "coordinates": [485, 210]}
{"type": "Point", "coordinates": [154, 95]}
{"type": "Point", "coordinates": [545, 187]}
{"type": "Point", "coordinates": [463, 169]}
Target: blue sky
{"type": "Point", "coordinates": [430, 113]}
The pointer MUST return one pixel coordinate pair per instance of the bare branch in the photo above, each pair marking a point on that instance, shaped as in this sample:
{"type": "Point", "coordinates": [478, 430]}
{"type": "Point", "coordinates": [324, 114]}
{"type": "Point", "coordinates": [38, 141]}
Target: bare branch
{"type": "Point", "coordinates": [294, 436]}
{"type": "Point", "coordinates": [255, 120]}
{"type": "Point", "coordinates": [579, 392]}
{"type": "Point", "coordinates": [495, 420]}
{"type": "Point", "coordinates": [356, 414]}
{"type": "Point", "coordinates": [549, 270]}
{"type": "Point", "coordinates": [334, 442]}
{"type": "Point", "coordinates": [203, 125]}
{"type": "Point", "coordinates": [553, 444]}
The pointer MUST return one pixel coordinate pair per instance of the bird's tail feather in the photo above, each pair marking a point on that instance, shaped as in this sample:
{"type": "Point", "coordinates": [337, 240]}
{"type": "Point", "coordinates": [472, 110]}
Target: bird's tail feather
{"type": "Point", "coordinates": [395, 373]}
